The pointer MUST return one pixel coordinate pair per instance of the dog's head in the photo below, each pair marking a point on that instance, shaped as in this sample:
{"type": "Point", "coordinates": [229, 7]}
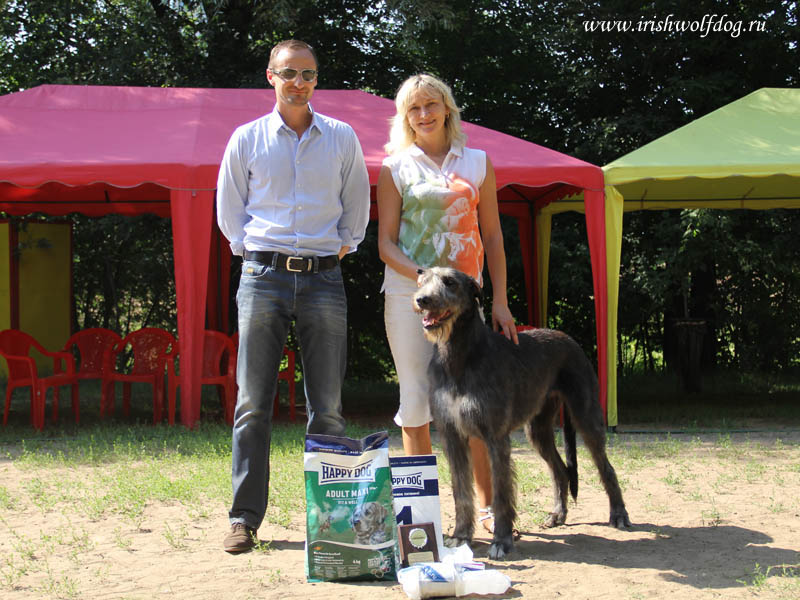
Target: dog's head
{"type": "Point", "coordinates": [368, 518]}
{"type": "Point", "coordinates": [444, 294]}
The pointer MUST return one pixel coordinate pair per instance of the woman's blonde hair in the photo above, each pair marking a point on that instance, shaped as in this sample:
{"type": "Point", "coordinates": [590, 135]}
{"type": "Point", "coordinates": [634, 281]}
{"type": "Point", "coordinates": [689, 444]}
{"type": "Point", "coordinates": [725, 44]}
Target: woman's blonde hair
{"type": "Point", "coordinates": [401, 136]}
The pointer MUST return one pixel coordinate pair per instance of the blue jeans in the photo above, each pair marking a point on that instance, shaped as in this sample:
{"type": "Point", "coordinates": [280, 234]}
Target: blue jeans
{"type": "Point", "coordinates": [268, 300]}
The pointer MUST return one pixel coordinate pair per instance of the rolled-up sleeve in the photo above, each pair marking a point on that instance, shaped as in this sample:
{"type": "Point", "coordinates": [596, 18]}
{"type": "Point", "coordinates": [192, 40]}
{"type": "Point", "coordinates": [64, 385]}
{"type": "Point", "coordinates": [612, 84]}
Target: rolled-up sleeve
{"type": "Point", "coordinates": [355, 195]}
{"type": "Point", "coordinates": [232, 185]}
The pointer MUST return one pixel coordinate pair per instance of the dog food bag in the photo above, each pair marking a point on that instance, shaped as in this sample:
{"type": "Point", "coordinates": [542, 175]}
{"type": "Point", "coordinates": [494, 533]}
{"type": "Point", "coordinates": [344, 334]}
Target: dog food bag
{"type": "Point", "coordinates": [415, 486]}
{"type": "Point", "coordinates": [351, 532]}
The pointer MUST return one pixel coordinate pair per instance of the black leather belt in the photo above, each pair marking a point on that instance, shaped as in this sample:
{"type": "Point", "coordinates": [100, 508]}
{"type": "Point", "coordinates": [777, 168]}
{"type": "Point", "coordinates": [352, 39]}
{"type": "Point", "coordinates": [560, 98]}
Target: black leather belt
{"type": "Point", "coordinates": [295, 264]}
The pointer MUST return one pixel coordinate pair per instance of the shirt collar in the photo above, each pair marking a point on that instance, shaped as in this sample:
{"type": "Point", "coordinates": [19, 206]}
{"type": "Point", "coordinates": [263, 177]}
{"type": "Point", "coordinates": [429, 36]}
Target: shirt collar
{"type": "Point", "coordinates": [275, 122]}
{"type": "Point", "coordinates": [455, 149]}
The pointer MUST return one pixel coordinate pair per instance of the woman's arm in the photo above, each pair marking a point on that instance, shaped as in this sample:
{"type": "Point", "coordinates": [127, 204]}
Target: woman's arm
{"type": "Point", "coordinates": [390, 205]}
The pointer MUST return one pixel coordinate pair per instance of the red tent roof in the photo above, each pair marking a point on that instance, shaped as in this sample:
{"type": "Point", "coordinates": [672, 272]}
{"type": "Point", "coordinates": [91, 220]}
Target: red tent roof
{"type": "Point", "coordinates": [129, 137]}
{"type": "Point", "coordinates": [128, 150]}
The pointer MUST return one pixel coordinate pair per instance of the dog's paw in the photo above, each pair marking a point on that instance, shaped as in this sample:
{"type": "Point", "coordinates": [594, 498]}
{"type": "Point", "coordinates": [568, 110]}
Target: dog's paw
{"type": "Point", "coordinates": [555, 519]}
{"type": "Point", "coordinates": [619, 519]}
{"type": "Point", "coordinates": [453, 541]}
{"type": "Point", "coordinates": [500, 549]}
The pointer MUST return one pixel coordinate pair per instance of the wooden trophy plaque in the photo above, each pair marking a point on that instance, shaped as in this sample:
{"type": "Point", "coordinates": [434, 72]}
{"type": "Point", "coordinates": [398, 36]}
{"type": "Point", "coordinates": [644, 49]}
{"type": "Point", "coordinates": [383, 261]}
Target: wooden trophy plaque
{"type": "Point", "coordinates": [417, 543]}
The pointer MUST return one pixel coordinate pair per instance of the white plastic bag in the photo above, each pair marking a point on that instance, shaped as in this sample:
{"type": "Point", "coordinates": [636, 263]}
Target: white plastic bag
{"type": "Point", "coordinates": [436, 580]}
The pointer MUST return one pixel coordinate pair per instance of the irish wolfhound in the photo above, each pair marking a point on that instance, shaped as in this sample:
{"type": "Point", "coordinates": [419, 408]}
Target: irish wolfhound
{"type": "Point", "coordinates": [483, 385]}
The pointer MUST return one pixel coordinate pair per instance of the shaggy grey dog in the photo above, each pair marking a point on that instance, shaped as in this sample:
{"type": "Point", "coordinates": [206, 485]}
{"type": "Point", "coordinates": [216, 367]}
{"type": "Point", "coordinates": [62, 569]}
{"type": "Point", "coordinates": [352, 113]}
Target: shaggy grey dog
{"type": "Point", "coordinates": [485, 386]}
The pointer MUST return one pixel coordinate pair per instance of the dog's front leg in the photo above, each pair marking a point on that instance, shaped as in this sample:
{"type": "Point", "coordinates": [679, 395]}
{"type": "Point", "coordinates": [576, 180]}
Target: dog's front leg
{"type": "Point", "coordinates": [456, 448]}
{"type": "Point", "coordinates": [504, 496]}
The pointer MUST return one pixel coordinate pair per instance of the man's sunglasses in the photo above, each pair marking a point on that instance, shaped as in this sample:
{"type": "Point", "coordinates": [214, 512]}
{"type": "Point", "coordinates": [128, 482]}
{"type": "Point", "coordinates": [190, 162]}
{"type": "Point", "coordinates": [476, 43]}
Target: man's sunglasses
{"type": "Point", "coordinates": [308, 75]}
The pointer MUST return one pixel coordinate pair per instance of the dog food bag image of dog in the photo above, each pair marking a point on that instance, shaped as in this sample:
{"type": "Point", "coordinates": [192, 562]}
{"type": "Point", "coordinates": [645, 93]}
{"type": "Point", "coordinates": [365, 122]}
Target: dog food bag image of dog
{"type": "Point", "coordinates": [485, 386]}
{"type": "Point", "coordinates": [350, 522]}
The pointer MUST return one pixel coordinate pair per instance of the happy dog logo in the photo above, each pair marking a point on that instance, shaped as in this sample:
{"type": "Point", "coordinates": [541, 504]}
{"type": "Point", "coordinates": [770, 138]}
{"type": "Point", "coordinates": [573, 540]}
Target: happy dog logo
{"type": "Point", "coordinates": [410, 480]}
{"type": "Point", "coordinates": [340, 474]}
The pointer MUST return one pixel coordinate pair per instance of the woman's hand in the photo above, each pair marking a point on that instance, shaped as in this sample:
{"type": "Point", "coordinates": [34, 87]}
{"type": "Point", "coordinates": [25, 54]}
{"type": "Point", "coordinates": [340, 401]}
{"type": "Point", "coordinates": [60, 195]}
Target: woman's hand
{"type": "Point", "coordinates": [503, 321]}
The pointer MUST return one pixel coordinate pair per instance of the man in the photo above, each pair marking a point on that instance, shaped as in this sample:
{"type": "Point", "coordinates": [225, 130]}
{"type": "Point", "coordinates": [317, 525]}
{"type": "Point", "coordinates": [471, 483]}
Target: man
{"type": "Point", "coordinates": [292, 199]}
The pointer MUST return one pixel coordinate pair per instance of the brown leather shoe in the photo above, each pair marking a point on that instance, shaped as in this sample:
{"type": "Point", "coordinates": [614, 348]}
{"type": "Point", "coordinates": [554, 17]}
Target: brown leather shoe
{"type": "Point", "coordinates": [240, 539]}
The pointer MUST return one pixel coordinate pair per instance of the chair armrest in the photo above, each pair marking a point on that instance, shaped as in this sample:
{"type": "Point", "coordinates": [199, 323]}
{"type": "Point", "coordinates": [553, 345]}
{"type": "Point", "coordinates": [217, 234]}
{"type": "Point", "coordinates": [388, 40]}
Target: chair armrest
{"type": "Point", "coordinates": [25, 360]}
{"type": "Point", "coordinates": [68, 359]}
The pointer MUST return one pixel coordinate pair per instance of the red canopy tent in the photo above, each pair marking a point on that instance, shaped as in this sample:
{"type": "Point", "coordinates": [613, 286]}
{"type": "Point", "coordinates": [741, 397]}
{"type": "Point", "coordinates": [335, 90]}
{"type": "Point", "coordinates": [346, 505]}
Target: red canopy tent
{"type": "Point", "coordinates": [97, 150]}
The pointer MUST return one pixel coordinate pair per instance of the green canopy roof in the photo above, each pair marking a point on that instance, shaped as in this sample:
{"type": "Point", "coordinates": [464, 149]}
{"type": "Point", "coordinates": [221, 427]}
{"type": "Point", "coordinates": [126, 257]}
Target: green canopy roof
{"type": "Point", "coordinates": [743, 155]}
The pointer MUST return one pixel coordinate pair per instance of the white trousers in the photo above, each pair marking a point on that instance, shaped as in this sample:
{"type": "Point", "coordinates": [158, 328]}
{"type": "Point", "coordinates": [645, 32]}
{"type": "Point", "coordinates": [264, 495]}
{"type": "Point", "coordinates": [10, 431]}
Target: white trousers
{"type": "Point", "coordinates": [411, 352]}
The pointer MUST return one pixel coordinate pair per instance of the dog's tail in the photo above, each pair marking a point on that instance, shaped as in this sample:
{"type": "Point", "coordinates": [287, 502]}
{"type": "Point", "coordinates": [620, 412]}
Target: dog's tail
{"type": "Point", "coordinates": [570, 451]}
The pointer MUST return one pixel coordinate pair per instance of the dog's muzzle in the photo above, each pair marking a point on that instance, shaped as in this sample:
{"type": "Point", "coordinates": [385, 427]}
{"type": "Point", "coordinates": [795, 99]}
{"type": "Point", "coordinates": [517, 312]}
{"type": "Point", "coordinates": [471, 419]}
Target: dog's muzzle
{"type": "Point", "coordinates": [431, 319]}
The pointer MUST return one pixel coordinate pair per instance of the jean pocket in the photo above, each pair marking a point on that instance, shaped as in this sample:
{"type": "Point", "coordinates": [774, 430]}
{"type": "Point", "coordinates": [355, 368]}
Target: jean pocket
{"type": "Point", "coordinates": [332, 275]}
{"type": "Point", "coordinates": [251, 268]}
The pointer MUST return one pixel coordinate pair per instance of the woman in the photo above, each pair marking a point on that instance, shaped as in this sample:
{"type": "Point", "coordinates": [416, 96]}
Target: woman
{"type": "Point", "coordinates": [437, 206]}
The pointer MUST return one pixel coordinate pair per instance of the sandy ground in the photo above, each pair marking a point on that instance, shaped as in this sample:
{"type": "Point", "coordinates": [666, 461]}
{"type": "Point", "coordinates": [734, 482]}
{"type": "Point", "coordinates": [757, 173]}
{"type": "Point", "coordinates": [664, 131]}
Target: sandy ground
{"type": "Point", "coordinates": [711, 520]}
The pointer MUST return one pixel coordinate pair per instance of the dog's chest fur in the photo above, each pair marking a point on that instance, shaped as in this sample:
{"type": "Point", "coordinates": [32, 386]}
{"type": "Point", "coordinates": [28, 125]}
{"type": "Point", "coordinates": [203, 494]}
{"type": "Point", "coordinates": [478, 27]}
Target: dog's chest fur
{"type": "Point", "coordinates": [462, 411]}
{"type": "Point", "coordinates": [458, 391]}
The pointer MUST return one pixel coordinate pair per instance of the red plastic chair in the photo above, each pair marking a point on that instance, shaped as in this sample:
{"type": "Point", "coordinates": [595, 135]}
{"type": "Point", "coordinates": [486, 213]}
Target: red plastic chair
{"type": "Point", "coordinates": [15, 347]}
{"type": "Point", "coordinates": [287, 374]}
{"type": "Point", "coordinates": [150, 348]}
{"type": "Point", "coordinates": [219, 368]}
{"type": "Point", "coordinates": [92, 345]}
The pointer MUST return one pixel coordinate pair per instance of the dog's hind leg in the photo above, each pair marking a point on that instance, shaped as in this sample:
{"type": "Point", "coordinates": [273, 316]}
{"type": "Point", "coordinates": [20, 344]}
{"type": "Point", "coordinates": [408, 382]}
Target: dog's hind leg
{"type": "Point", "coordinates": [540, 435]}
{"type": "Point", "coordinates": [571, 455]}
{"type": "Point", "coordinates": [594, 436]}
{"type": "Point", "coordinates": [503, 497]}
{"type": "Point", "coordinates": [456, 448]}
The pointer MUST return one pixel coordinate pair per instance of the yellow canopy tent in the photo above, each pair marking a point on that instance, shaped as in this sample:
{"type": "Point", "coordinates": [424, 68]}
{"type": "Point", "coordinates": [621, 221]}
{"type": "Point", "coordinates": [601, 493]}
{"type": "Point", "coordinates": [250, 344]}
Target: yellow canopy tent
{"type": "Point", "coordinates": [743, 155]}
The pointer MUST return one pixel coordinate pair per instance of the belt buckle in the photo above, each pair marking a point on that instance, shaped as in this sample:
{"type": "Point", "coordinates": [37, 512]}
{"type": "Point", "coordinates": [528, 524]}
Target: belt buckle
{"type": "Point", "coordinates": [289, 267]}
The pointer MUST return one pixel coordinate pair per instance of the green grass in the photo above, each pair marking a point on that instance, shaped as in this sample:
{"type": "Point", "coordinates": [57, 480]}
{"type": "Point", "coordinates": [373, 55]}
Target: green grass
{"type": "Point", "coordinates": [134, 465]}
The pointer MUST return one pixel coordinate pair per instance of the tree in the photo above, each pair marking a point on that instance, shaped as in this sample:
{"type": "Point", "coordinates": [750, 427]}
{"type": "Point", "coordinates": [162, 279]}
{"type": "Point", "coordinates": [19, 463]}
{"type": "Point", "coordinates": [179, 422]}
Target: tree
{"type": "Point", "coordinates": [123, 272]}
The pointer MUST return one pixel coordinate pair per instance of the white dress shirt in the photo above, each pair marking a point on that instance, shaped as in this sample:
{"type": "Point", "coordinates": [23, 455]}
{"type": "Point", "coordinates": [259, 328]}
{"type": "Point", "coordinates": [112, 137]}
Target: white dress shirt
{"type": "Point", "coordinates": [302, 197]}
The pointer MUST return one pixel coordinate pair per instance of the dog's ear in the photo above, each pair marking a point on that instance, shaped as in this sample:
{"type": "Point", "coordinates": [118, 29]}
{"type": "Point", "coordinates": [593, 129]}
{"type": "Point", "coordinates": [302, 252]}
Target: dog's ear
{"type": "Point", "coordinates": [477, 292]}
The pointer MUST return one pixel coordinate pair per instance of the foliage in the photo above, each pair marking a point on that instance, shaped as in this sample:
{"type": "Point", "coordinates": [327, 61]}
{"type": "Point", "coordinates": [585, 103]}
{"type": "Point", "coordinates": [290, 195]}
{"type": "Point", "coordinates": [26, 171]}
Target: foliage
{"type": "Point", "coordinates": [95, 43]}
{"type": "Point", "coordinates": [570, 300]}
{"type": "Point", "coordinates": [123, 269]}
{"type": "Point", "coordinates": [758, 290]}
{"type": "Point", "coordinates": [735, 269]}
{"type": "Point", "coordinates": [615, 91]}
{"type": "Point", "coordinates": [368, 355]}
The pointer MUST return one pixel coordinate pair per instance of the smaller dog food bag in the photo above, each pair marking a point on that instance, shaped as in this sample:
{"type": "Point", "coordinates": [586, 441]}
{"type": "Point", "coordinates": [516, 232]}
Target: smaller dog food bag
{"type": "Point", "coordinates": [415, 486]}
{"type": "Point", "coordinates": [351, 532]}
